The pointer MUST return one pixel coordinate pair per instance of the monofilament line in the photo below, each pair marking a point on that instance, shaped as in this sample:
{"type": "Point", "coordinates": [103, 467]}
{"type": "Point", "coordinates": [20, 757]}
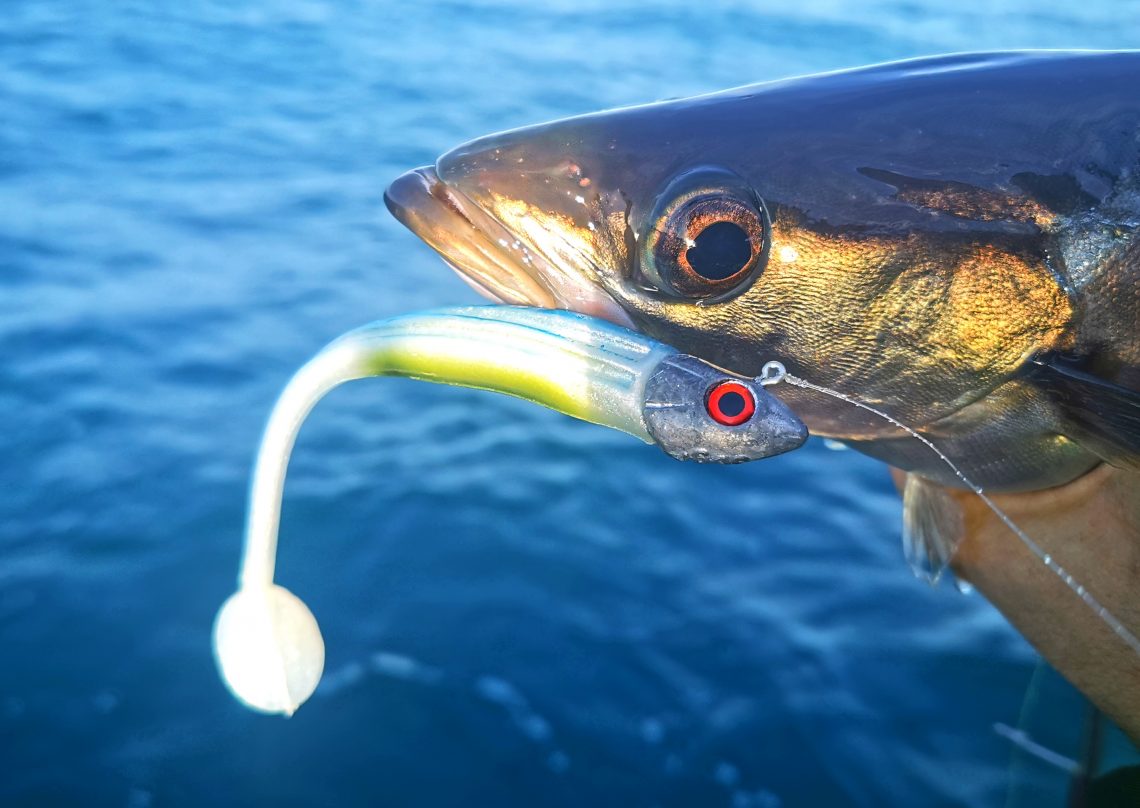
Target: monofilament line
{"type": "Point", "coordinates": [774, 372]}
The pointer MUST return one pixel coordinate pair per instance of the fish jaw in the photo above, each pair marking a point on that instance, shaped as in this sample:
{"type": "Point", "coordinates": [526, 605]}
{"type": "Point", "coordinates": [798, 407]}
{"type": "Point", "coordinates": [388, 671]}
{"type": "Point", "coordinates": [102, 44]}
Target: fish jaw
{"type": "Point", "coordinates": [495, 251]}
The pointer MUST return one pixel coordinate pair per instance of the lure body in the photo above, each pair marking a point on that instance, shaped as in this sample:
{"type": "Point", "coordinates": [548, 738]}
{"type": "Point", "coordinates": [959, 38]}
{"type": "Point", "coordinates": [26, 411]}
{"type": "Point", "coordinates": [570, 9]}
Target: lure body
{"type": "Point", "coordinates": [584, 367]}
{"type": "Point", "coordinates": [268, 644]}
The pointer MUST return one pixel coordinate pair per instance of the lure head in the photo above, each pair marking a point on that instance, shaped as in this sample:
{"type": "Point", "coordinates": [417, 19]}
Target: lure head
{"type": "Point", "coordinates": [696, 412]}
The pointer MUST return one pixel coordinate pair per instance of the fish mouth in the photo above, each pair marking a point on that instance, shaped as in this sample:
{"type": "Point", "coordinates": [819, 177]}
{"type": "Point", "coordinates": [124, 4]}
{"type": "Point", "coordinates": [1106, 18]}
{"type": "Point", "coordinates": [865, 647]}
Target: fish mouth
{"type": "Point", "coordinates": [487, 254]}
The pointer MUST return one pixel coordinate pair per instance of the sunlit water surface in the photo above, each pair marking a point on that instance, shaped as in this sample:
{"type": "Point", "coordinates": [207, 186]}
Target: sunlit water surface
{"type": "Point", "coordinates": [519, 610]}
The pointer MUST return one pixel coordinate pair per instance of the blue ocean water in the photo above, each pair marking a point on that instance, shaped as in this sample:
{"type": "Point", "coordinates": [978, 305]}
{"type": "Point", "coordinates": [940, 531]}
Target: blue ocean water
{"type": "Point", "coordinates": [519, 609]}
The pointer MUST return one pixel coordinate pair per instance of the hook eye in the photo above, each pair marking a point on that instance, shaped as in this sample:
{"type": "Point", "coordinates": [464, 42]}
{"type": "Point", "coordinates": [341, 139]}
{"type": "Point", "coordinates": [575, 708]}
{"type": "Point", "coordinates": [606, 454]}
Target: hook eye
{"type": "Point", "coordinates": [772, 373]}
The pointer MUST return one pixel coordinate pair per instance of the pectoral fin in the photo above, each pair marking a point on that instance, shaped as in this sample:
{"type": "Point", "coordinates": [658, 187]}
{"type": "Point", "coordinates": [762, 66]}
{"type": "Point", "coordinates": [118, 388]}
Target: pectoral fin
{"type": "Point", "coordinates": [1101, 416]}
{"type": "Point", "coordinates": [932, 527]}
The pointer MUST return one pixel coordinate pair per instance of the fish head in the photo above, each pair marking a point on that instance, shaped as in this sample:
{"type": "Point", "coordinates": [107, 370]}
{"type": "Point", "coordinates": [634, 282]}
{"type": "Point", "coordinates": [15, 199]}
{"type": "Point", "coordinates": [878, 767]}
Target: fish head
{"type": "Point", "coordinates": [841, 224]}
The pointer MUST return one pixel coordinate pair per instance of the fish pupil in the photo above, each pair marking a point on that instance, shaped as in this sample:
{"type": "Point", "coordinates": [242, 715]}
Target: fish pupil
{"type": "Point", "coordinates": [719, 251]}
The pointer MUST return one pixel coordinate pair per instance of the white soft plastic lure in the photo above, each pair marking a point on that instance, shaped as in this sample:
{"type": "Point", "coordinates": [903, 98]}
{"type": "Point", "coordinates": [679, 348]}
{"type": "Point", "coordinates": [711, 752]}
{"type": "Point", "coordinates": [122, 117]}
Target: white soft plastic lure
{"type": "Point", "coordinates": [267, 642]}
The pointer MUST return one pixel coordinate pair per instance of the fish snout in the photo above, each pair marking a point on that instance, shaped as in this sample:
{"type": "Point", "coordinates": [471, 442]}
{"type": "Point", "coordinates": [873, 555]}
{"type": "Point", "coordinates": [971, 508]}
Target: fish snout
{"type": "Point", "coordinates": [472, 242]}
{"type": "Point", "coordinates": [477, 208]}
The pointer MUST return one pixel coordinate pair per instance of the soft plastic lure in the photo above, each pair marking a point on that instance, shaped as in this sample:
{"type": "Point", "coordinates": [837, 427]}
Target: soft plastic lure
{"type": "Point", "coordinates": [267, 642]}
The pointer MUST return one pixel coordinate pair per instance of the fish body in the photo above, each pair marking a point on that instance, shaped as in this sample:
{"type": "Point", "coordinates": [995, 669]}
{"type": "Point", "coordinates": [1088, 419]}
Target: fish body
{"type": "Point", "coordinates": [942, 238]}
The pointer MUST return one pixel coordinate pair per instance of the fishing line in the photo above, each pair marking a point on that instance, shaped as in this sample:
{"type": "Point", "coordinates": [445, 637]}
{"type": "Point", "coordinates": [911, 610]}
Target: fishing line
{"type": "Point", "coordinates": [774, 372]}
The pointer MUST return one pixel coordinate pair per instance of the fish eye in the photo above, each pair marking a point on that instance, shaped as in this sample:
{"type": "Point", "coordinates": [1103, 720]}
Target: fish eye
{"type": "Point", "coordinates": [706, 242]}
{"type": "Point", "coordinates": [719, 251]}
{"type": "Point", "coordinates": [730, 403]}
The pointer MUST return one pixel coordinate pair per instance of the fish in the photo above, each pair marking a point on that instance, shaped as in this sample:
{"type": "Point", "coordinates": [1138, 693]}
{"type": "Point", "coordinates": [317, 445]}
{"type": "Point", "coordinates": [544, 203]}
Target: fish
{"type": "Point", "coordinates": [950, 239]}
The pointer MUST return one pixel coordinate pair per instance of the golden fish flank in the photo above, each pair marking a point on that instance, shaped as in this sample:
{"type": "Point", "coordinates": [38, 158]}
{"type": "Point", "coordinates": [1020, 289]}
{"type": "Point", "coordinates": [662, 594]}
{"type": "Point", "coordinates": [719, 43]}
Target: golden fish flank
{"type": "Point", "coordinates": [896, 312]}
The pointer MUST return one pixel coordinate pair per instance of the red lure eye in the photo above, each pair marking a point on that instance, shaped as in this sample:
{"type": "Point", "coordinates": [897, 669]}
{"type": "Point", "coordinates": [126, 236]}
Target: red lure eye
{"type": "Point", "coordinates": [730, 403]}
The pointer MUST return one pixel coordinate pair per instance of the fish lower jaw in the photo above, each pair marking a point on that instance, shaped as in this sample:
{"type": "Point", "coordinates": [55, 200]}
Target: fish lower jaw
{"type": "Point", "coordinates": [592, 307]}
{"type": "Point", "coordinates": [482, 290]}
{"type": "Point", "coordinates": [488, 255]}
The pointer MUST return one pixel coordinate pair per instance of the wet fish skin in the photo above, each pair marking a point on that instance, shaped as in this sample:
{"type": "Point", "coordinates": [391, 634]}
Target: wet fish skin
{"type": "Point", "coordinates": [920, 232]}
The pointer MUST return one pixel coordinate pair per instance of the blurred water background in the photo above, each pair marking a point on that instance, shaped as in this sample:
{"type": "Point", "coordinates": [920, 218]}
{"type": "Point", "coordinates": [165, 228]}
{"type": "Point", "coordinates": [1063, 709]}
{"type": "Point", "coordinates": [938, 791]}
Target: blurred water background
{"type": "Point", "coordinates": [519, 609]}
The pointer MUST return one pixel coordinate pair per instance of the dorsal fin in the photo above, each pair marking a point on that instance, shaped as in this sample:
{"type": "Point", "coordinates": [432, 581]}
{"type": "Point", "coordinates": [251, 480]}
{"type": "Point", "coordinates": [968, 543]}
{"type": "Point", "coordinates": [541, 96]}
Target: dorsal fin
{"type": "Point", "coordinates": [1101, 416]}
